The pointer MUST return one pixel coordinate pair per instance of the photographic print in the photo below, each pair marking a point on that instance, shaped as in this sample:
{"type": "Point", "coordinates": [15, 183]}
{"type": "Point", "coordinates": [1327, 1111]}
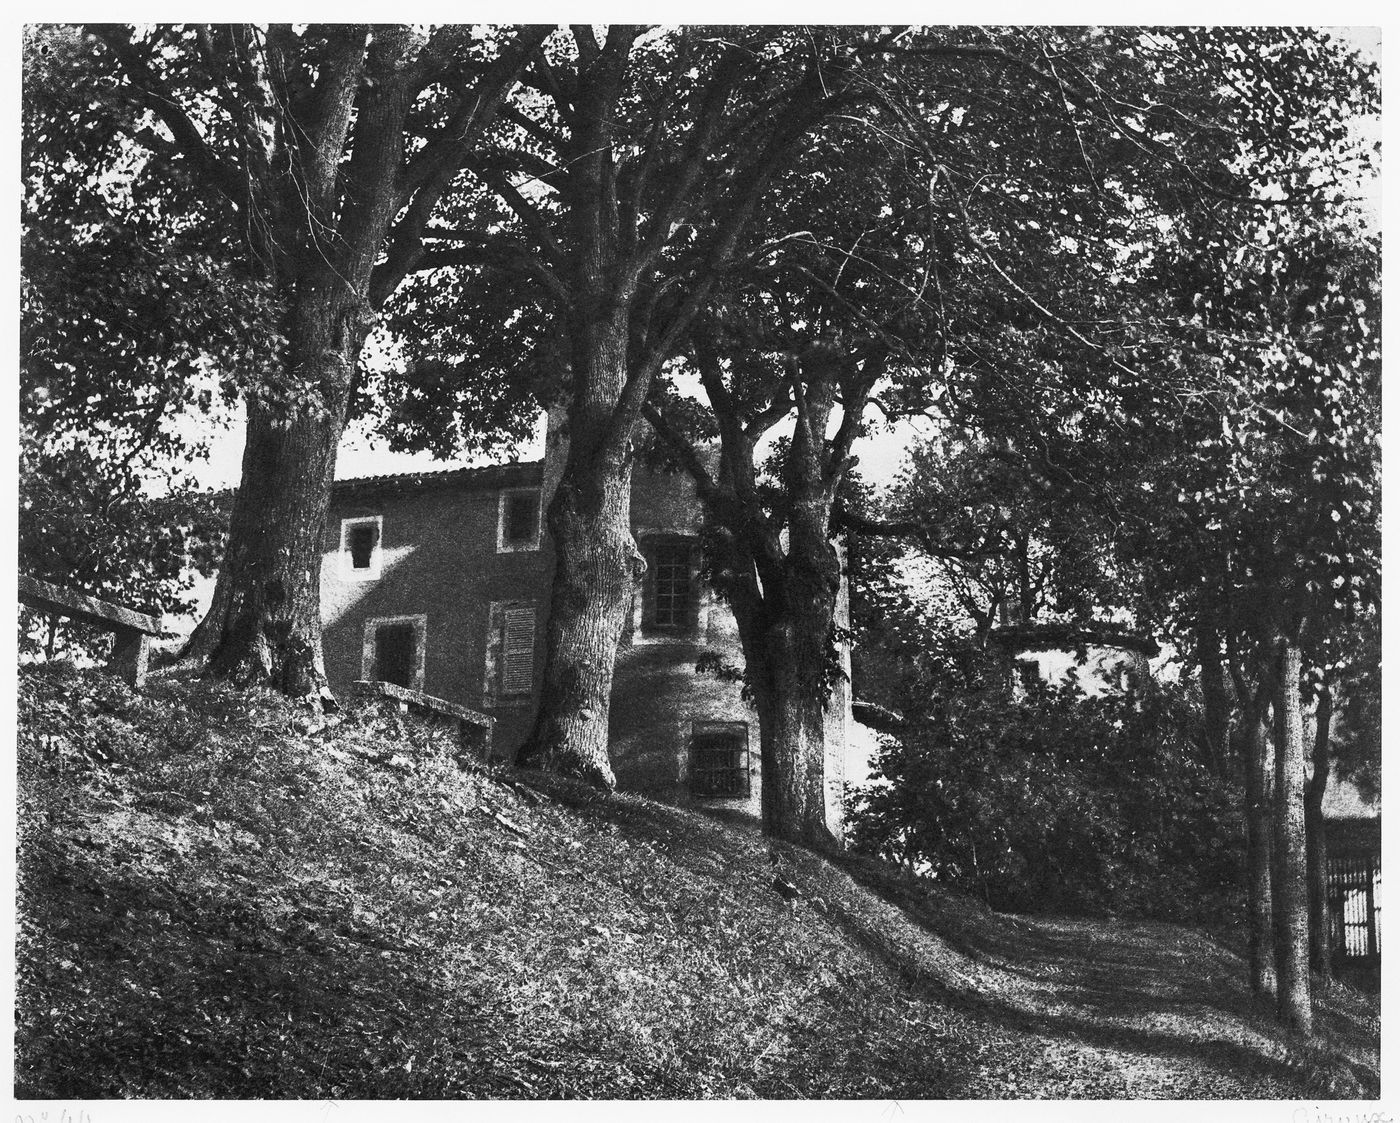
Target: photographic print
{"type": "Point", "coordinates": [698, 563]}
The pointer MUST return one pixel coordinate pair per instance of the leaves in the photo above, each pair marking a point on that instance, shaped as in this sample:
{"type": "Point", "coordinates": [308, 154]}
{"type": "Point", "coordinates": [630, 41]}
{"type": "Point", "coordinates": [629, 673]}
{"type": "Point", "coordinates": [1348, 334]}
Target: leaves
{"type": "Point", "coordinates": [1057, 803]}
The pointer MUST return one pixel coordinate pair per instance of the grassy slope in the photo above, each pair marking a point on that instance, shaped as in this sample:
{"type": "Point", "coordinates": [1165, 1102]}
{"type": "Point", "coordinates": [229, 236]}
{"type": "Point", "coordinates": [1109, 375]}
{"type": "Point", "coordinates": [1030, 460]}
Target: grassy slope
{"type": "Point", "coordinates": [224, 895]}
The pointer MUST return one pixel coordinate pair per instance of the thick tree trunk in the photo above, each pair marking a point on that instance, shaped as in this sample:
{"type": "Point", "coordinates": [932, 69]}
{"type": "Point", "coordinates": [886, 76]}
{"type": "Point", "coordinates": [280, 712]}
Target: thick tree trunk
{"type": "Point", "coordinates": [792, 742]}
{"type": "Point", "coordinates": [594, 559]}
{"type": "Point", "coordinates": [1290, 882]}
{"type": "Point", "coordinates": [1258, 854]}
{"type": "Point", "coordinates": [321, 229]}
{"type": "Point", "coordinates": [1320, 948]}
{"type": "Point", "coordinates": [594, 552]}
{"type": "Point", "coordinates": [264, 623]}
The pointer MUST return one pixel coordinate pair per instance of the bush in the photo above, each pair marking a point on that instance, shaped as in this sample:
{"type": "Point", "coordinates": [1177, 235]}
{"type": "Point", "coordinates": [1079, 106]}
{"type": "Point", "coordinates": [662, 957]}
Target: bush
{"type": "Point", "coordinates": [1057, 802]}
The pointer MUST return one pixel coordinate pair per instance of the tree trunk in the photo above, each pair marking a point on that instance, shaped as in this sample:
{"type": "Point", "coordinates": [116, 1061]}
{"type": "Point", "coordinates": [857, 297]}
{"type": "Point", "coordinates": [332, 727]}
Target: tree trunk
{"type": "Point", "coordinates": [1258, 854]}
{"type": "Point", "coordinates": [1290, 882]}
{"type": "Point", "coordinates": [595, 556]}
{"type": "Point", "coordinates": [594, 552]}
{"type": "Point", "coordinates": [264, 623]}
{"type": "Point", "coordinates": [784, 674]}
{"type": "Point", "coordinates": [1215, 700]}
{"type": "Point", "coordinates": [321, 230]}
{"type": "Point", "coordinates": [786, 626]}
{"type": "Point", "coordinates": [792, 744]}
{"type": "Point", "coordinates": [1320, 948]}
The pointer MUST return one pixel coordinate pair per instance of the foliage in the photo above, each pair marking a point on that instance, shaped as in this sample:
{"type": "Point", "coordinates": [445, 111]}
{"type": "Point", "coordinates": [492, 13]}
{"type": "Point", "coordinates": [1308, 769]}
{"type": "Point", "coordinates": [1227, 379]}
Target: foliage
{"type": "Point", "coordinates": [1016, 543]}
{"type": "Point", "coordinates": [84, 526]}
{"type": "Point", "coordinates": [131, 326]}
{"type": "Point", "coordinates": [1059, 803]}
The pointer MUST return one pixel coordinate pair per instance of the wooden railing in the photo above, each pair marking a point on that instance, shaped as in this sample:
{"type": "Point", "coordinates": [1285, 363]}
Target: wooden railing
{"type": "Point", "coordinates": [132, 630]}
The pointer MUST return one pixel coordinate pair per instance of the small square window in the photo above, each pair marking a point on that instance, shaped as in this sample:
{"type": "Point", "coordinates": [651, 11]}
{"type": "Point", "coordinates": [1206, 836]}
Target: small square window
{"type": "Point", "coordinates": [518, 523]}
{"type": "Point", "coordinates": [361, 542]}
{"type": "Point", "coordinates": [719, 759]}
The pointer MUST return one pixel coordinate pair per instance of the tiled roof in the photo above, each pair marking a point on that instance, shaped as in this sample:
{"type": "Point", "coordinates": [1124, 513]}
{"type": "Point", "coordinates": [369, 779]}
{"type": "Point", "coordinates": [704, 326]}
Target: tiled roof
{"type": "Point", "coordinates": [491, 476]}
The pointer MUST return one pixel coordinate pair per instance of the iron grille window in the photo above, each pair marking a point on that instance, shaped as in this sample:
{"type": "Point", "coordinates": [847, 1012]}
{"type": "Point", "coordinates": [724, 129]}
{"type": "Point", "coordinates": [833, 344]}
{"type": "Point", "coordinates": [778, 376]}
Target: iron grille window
{"type": "Point", "coordinates": [671, 607]}
{"type": "Point", "coordinates": [719, 761]}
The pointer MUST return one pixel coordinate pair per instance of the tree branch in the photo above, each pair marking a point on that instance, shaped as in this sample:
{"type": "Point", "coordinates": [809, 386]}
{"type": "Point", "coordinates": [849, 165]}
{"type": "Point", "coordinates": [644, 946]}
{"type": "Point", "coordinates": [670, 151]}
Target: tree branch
{"type": "Point", "coordinates": [156, 96]}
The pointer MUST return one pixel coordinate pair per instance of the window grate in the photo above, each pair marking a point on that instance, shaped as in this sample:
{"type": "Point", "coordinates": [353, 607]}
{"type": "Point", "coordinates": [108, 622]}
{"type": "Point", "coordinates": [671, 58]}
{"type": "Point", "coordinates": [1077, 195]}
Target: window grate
{"type": "Point", "coordinates": [672, 599]}
{"type": "Point", "coordinates": [720, 759]}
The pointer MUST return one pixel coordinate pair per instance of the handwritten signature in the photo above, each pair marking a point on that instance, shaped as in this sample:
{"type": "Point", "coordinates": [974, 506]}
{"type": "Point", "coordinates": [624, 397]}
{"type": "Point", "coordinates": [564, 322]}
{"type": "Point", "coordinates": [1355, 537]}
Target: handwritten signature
{"type": "Point", "coordinates": [1318, 1115]}
{"type": "Point", "coordinates": [62, 1116]}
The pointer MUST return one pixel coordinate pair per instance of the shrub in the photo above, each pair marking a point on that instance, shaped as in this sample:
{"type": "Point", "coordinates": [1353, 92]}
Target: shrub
{"type": "Point", "coordinates": [1057, 802]}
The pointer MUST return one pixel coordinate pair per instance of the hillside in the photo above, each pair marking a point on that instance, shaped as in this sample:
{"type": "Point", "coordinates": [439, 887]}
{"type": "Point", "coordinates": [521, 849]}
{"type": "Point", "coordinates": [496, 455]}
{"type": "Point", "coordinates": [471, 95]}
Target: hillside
{"type": "Point", "coordinates": [222, 894]}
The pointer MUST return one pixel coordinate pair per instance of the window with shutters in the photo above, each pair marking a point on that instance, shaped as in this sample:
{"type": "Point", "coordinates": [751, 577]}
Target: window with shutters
{"type": "Point", "coordinates": [360, 552]}
{"type": "Point", "coordinates": [394, 650]}
{"type": "Point", "coordinates": [510, 652]}
{"type": "Point", "coordinates": [719, 759]}
{"type": "Point", "coordinates": [518, 521]}
{"type": "Point", "coordinates": [671, 586]}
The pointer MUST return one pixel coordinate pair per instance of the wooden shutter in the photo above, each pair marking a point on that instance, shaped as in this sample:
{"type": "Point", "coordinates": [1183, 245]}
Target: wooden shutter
{"type": "Point", "coordinates": [518, 650]}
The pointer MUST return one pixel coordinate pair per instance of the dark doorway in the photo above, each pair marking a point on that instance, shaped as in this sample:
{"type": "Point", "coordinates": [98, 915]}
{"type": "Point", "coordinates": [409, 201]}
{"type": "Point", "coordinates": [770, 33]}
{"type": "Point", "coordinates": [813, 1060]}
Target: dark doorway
{"type": "Point", "coordinates": [394, 650]}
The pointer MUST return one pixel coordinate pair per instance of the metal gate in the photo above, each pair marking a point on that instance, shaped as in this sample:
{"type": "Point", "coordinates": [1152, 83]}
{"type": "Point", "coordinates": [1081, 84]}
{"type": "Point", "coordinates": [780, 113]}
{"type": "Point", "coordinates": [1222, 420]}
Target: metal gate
{"type": "Point", "coordinates": [1354, 907]}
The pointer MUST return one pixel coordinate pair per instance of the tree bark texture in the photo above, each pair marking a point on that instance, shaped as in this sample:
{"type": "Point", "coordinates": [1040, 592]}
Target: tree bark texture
{"type": "Point", "coordinates": [594, 555]}
{"type": "Point", "coordinates": [1320, 946]}
{"type": "Point", "coordinates": [1290, 882]}
{"type": "Point", "coordinates": [1215, 700]}
{"type": "Point", "coordinates": [264, 623]}
{"type": "Point", "coordinates": [786, 643]}
{"type": "Point", "coordinates": [1258, 854]}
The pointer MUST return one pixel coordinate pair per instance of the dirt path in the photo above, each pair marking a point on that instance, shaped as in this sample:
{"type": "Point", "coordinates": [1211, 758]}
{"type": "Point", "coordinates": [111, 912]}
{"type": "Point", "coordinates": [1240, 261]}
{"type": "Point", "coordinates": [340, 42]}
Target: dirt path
{"type": "Point", "coordinates": [1116, 1009]}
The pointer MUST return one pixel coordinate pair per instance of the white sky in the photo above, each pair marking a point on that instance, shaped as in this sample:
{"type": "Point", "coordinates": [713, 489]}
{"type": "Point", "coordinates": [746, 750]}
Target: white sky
{"type": "Point", "coordinates": [880, 454]}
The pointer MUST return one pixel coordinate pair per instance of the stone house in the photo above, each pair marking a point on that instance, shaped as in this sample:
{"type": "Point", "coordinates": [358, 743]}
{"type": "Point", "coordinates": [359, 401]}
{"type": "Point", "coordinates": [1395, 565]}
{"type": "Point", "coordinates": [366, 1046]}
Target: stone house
{"type": "Point", "coordinates": [440, 581]}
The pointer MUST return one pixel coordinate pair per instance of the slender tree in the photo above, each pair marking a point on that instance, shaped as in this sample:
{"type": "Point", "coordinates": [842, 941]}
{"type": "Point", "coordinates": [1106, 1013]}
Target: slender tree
{"type": "Point", "coordinates": [1315, 832]}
